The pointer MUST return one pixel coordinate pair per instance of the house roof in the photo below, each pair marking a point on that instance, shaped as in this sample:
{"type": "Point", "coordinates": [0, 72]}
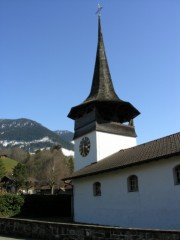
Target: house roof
{"type": "Point", "coordinates": [154, 150]}
{"type": "Point", "coordinates": [102, 95]}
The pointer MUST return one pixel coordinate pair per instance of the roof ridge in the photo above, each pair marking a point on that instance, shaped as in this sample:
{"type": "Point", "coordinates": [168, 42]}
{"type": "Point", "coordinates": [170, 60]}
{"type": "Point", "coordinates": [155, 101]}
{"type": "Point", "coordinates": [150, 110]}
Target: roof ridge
{"type": "Point", "coordinates": [155, 140]}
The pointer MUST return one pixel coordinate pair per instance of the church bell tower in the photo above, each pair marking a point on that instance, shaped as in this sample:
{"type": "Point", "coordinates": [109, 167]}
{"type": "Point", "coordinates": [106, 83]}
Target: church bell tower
{"type": "Point", "coordinates": [103, 122]}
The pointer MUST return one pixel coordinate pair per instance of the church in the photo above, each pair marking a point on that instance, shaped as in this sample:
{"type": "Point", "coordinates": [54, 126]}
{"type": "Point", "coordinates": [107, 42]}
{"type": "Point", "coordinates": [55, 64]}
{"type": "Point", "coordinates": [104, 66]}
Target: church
{"type": "Point", "coordinates": [117, 182]}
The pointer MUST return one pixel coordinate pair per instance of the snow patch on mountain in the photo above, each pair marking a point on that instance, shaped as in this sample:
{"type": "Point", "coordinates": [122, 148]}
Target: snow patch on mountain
{"type": "Point", "coordinates": [67, 153]}
{"type": "Point", "coordinates": [6, 143]}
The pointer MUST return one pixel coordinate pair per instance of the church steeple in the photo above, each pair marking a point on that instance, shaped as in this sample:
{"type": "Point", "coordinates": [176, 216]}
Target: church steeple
{"type": "Point", "coordinates": [102, 87]}
{"type": "Point", "coordinates": [102, 102]}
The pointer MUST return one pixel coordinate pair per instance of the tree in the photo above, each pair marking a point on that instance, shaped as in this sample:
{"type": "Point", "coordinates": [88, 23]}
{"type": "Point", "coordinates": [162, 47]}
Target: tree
{"type": "Point", "coordinates": [2, 169]}
{"type": "Point", "coordinates": [18, 154]}
{"type": "Point", "coordinates": [48, 167]}
{"type": "Point", "coordinates": [70, 164]}
{"type": "Point", "coordinates": [56, 147]}
{"type": "Point", "coordinates": [30, 183]}
{"type": "Point", "coordinates": [20, 176]}
{"type": "Point", "coordinates": [51, 179]}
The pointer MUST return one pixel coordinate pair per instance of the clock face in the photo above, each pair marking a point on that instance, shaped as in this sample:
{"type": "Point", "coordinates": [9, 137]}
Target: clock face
{"type": "Point", "coordinates": [84, 146]}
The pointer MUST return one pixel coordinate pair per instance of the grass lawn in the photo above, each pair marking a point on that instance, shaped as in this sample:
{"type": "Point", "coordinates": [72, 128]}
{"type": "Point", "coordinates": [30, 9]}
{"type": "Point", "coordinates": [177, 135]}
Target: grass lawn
{"type": "Point", "coordinates": [9, 164]}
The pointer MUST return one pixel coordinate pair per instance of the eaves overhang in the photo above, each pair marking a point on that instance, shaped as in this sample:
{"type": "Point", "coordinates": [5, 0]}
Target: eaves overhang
{"type": "Point", "coordinates": [162, 148]}
{"type": "Point", "coordinates": [125, 111]}
{"type": "Point", "coordinates": [119, 167]}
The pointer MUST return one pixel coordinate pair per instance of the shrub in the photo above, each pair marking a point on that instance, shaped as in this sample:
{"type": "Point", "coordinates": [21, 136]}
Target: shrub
{"type": "Point", "coordinates": [10, 204]}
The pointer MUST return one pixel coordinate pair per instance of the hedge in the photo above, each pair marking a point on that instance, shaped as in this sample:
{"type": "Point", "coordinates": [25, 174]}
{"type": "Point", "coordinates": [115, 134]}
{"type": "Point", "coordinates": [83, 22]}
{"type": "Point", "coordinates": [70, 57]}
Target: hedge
{"type": "Point", "coordinates": [46, 206]}
{"type": "Point", "coordinates": [10, 204]}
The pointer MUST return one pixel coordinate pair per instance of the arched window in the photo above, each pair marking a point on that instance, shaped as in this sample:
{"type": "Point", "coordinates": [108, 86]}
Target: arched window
{"type": "Point", "coordinates": [97, 189]}
{"type": "Point", "coordinates": [177, 174]}
{"type": "Point", "coordinates": [132, 183]}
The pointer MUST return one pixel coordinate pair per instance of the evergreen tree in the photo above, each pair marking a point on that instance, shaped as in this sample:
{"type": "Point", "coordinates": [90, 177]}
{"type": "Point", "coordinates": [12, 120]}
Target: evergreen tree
{"type": "Point", "coordinates": [20, 176]}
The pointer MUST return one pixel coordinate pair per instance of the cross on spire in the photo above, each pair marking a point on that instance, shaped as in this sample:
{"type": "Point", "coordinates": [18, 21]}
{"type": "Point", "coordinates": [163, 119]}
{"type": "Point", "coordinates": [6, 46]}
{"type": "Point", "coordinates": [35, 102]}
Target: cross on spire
{"type": "Point", "coordinates": [102, 99]}
{"type": "Point", "coordinates": [99, 10]}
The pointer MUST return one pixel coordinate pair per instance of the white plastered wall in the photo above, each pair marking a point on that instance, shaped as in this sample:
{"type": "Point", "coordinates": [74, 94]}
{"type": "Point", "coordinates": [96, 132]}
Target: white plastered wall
{"type": "Point", "coordinates": [155, 205]}
{"type": "Point", "coordinates": [80, 161]}
{"type": "Point", "coordinates": [102, 145]}
{"type": "Point", "coordinates": [107, 144]}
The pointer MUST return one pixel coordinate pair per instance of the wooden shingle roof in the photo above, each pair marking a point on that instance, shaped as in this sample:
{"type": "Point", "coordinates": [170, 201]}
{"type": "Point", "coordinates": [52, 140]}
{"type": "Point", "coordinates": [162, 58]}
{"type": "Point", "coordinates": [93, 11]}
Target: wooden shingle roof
{"type": "Point", "coordinates": [154, 150]}
{"type": "Point", "coordinates": [102, 95]}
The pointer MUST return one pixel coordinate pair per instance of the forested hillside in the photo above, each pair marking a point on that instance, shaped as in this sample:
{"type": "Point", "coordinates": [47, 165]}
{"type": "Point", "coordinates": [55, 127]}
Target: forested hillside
{"type": "Point", "coordinates": [46, 167]}
{"type": "Point", "coordinates": [31, 136]}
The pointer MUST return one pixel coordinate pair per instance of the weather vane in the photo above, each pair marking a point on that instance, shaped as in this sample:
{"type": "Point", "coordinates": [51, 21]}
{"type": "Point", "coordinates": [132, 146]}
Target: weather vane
{"type": "Point", "coordinates": [99, 10]}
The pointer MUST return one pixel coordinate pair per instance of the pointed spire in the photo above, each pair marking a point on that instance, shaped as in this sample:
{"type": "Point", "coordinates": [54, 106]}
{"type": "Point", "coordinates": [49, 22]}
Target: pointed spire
{"type": "Point", "coordinates": [102, 86]}
{"type": "Point", "coordinates": [103, 98]}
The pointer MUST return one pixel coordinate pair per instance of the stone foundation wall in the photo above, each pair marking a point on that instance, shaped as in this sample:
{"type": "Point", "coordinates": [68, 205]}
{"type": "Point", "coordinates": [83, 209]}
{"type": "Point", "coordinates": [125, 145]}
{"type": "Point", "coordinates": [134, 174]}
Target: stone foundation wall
{"type": "Point", "coordinates": [47, 230]}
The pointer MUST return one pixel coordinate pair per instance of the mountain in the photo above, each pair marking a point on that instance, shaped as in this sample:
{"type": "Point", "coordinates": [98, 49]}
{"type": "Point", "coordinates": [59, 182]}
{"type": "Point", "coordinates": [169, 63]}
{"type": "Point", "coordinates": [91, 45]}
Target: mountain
{"type": "Point", "coordinates": [31, 135]}
{"type": "Point", "coordinates": [66, 135]}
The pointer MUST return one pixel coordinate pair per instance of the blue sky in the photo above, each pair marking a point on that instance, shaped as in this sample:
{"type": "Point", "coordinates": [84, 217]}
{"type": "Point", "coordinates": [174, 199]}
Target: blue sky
{"type": "Point", "coordinates": [47, 56]}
